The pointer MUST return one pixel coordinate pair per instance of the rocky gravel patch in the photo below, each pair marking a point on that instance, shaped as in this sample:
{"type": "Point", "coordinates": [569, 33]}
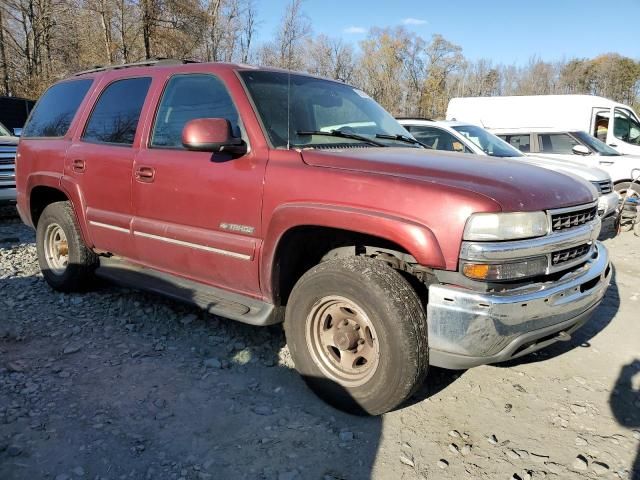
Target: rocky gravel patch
{"type": "Point", "coordinates": [119, 384]}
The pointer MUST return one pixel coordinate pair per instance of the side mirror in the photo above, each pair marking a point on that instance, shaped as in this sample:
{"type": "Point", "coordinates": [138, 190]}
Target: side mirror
{"type": "Point", "coordinates": [17, 132]}
{"type": "Point", "coordinates": [212, 135]}
{"type": "Point", "coordinates": [580, 150]}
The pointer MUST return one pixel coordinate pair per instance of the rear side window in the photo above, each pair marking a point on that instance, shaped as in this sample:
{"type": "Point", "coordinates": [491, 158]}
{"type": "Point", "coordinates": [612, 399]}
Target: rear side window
{"type": "Point", "coordinates": [55, 110]}
{"type": "Point", "coordinates": [561, 143]}
{"type": "Point", "coordinates": [188, 97]}
{"type": "Point", "coordinates": [115, 116]}
{"type": "Point", "coordinates": [521, 142]}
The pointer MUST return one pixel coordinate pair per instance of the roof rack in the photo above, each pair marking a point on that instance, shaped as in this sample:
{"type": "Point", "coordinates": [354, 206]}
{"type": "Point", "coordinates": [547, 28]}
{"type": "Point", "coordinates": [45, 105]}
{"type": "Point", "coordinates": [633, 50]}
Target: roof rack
{"type": "Point", "coordinates": [158, 62]}
{"type": "Point", "coordinates": [416, 118]}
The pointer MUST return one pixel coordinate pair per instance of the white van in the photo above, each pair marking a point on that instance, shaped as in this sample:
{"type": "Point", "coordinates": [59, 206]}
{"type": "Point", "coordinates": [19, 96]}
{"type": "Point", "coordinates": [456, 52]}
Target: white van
{"type": "Point", "coordinates": [614, 123]}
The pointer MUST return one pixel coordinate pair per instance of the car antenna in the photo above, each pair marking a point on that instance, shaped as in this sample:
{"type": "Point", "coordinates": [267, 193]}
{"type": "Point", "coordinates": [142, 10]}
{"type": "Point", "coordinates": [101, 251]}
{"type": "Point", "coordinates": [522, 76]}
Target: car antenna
{"type": "Point", "coordinates": [288, 106]}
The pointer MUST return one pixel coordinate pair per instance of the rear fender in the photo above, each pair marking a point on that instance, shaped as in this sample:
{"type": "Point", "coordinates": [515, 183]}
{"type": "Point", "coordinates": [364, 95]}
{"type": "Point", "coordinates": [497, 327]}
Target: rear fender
{"type": "Point", "coordinates": [69, 188]}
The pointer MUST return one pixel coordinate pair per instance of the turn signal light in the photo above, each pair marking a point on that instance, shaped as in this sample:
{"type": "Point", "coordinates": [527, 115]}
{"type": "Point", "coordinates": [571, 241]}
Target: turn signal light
{"type": "Point", "coordinates": [530, 267]}
{"type": "Point", "coordinates": [477, 271]}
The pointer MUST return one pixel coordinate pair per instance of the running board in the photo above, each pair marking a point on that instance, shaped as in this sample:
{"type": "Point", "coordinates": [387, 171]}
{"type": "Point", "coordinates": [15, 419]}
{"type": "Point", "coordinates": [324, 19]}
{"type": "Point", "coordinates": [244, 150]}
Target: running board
{"type": "Point", "coordinates": [214, 300]}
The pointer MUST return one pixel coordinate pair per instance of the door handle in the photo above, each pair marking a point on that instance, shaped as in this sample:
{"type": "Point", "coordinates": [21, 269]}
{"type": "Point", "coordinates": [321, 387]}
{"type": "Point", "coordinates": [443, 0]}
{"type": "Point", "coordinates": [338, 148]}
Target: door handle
{"type": "Point", "coordinates": [613, 144]}
{"type": "Point", "coordinates": [79, 166]}
{"type": "Point", "coordinates": [606, 163]}
{"type": "Point", "coordinates": [145, 174]}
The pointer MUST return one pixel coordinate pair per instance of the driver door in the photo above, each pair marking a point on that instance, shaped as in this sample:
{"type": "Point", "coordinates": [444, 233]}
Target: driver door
{"type": "Point", "coordinates": [197, 214]}
{"type": "Point", "coordinates": [624, 131]}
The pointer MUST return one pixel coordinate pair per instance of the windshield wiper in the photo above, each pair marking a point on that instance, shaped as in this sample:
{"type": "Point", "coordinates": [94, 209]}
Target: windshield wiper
{"type": "Point", "coordinates": [402, 138]}
{"type": "Point", "coordinates": [341, 134]}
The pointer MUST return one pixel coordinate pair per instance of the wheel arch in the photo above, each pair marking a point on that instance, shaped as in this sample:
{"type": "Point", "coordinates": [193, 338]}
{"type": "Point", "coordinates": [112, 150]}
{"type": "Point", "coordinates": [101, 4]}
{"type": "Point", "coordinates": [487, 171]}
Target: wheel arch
{"type": "Point", "coordinates": [300, 236]}
{"type": "Point", "coordinates": [44, 189]}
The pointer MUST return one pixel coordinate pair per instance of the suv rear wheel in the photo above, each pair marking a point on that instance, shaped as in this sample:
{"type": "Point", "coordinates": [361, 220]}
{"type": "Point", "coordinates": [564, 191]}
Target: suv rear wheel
{"type": "Point", "coordinates": [357, 333]}
{"type": "Point", "coordinates": [66, 263]}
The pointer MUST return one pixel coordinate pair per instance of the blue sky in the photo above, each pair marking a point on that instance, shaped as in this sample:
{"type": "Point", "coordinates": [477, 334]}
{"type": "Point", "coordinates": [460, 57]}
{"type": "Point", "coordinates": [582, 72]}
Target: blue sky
{"type": "Point", "coordinates": [500, 30]}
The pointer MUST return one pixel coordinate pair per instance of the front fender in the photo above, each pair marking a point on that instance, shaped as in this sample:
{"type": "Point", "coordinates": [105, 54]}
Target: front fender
{"type": "Point", "coordinates": [415, 238]}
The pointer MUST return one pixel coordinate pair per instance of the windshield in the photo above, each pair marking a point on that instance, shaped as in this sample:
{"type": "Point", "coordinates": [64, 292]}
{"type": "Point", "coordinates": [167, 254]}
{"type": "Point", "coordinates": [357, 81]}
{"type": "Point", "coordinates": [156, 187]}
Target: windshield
{"type": "Point", "coordinates": [488, 142]}
{"type": "Point", "coordinates": [4, 131]}
{"type": "Point", "coordinates": [320, 106]}
{"type": "Point", "coordinates": [595, 144]}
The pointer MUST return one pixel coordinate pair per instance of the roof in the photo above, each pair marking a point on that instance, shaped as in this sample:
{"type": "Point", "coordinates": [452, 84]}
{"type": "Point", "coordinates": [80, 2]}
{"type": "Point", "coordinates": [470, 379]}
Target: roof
{"type": "Point", "coordinates": [181, 65]}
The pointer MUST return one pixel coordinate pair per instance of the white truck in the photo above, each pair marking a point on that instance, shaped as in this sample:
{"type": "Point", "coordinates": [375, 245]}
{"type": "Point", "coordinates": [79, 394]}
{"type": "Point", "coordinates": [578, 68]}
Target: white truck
{"type": "Point", "coordinates": [612, 123]}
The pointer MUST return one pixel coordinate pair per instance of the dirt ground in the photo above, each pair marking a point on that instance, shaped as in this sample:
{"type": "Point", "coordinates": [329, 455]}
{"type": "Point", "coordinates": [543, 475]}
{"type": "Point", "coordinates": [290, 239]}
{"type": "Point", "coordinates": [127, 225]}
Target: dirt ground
{"type": "Point", "coordinates": [117, 384]}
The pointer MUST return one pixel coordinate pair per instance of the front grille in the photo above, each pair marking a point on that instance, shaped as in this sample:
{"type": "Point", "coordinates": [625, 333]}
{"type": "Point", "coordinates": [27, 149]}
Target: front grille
{"type": "Point", "coordinates": [7, 166]}
{"type": "Point", "coordinates": [566, 220]}
{"type": "Point", "coordinates": [604, 186]}
{"type": "Point", "coordinates": [569, 254]}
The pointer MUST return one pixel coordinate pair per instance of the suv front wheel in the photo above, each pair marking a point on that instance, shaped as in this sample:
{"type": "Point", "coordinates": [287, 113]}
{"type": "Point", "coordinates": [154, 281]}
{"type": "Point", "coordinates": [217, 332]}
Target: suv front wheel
{"type": "Point", "coordinates": [357, 333]}
{"type": "Point", "coordinates": [66, 263]}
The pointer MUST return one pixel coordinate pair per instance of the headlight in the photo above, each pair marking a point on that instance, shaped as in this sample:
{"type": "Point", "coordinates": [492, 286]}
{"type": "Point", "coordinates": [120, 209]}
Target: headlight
{"type": "Point", "coordinates": [530, 267]}
{"type": "Point", "coordinates": [506, 226]}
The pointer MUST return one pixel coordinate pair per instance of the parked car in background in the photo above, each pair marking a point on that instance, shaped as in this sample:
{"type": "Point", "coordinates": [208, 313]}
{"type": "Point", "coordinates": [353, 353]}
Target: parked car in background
{"type": "Point", "coordinates": [8, 145]}
{"type": "Point", "coordinates": [14, 112]}
{"type": "Point", "coordinates": [466, 138]}
{"type": "Point", "coordinates": [614, 123]}
{"type": "Point", "coordinates": [231, 187]}
{"type": "Point", "coordinates": [578, 147]}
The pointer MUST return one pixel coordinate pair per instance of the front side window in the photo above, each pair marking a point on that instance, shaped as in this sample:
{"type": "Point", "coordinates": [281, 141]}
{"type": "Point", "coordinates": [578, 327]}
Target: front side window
{"type": "Point", "coordinates": [437, 139]}
{"type": "Point", "coordinates": [487, 142]}
{"type": "Point", "coordinates": [188, 97]}
{"type": "Point", "coordinates": [559, 143]}
{"type": "Point", "coordinates": [521, 142]}
{"type": "Point", "coordinates": [115, 116]}
{"type": "Point", "coordinates": [55, 110]}
{"type": "Point", "coordinates": [292, 107]}
{"type": "Point", "coordinates": [626, 127]}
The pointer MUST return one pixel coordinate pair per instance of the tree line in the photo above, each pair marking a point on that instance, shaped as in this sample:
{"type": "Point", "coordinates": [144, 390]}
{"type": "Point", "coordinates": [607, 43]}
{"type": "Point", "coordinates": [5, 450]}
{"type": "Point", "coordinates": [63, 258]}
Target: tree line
{"type": "Point", "coordinates": [42, 41]}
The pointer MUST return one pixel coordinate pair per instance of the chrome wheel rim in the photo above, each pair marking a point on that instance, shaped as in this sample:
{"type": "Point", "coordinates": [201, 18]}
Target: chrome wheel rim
{"type": "Point", "coordinates": [56, 249]}
{"type": "Point", "coordinates": [342, 341]}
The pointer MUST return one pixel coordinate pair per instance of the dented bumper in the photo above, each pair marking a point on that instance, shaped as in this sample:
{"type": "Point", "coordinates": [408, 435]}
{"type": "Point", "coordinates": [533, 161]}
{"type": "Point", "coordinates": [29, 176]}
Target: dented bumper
{"type": "Point", "coordinates": [468, 328]}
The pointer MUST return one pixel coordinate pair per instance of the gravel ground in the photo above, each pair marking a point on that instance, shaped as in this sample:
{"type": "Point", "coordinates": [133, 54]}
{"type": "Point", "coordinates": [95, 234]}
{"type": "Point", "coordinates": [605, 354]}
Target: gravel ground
{"type": "Point", "coordinates": [118, 384]}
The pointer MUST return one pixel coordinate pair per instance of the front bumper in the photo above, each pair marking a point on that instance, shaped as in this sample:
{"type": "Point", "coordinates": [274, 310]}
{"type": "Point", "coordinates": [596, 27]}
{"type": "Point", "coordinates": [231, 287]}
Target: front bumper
{"type": "Point", "coordinates": [608, 204]}
{"type": "Point", "coordinates": [469, 328]}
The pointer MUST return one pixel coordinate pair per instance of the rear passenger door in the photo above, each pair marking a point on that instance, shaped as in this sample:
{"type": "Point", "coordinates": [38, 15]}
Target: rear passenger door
{"type": "Point", "coordinates": [100, 161]}
{"type": "Point", "coordinates": [198, 214]}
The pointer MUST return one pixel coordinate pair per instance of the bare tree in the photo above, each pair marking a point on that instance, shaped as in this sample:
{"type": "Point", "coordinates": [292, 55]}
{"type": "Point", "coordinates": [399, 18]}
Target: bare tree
{"type": "Point", "coordinates": [3, 56]}
{"type": "Point", "coordinates": [294, 29]}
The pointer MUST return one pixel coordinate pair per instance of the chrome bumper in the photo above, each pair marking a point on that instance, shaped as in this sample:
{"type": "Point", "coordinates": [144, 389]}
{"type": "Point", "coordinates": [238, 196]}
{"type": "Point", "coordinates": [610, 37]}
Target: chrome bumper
{"type": "Point", "coordinates": [7, 195]}
{"type": "Point", "coordinates": [468, 328]}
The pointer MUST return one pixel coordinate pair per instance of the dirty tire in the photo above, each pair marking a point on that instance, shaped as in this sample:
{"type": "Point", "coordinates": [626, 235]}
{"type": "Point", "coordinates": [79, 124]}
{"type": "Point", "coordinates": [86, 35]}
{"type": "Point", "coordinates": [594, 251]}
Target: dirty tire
{"type": "Point", "coordinates": [82, 262]}
{"type": "Point", "coordinates": [622, 187]}
{"type": "Point", "coordinates": [399, 320]}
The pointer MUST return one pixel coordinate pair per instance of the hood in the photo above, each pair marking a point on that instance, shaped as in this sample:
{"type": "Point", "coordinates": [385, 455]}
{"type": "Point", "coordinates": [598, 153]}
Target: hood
{"type": "Point", "coordinates": [515, 186]}
{"type": "Point", "coordinates": [9, 140]}
{"type": "Point", "coordinates": [590, 174]}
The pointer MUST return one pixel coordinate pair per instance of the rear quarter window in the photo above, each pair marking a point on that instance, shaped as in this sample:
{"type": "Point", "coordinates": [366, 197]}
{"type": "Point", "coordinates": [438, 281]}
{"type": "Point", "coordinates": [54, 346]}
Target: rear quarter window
{"type": "Point", "coordinates": [55, 110]}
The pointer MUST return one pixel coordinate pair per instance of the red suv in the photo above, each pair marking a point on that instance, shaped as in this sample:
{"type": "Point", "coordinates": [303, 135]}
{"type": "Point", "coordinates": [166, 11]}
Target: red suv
{"type": "Point", "coordinates": [264, 195]}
